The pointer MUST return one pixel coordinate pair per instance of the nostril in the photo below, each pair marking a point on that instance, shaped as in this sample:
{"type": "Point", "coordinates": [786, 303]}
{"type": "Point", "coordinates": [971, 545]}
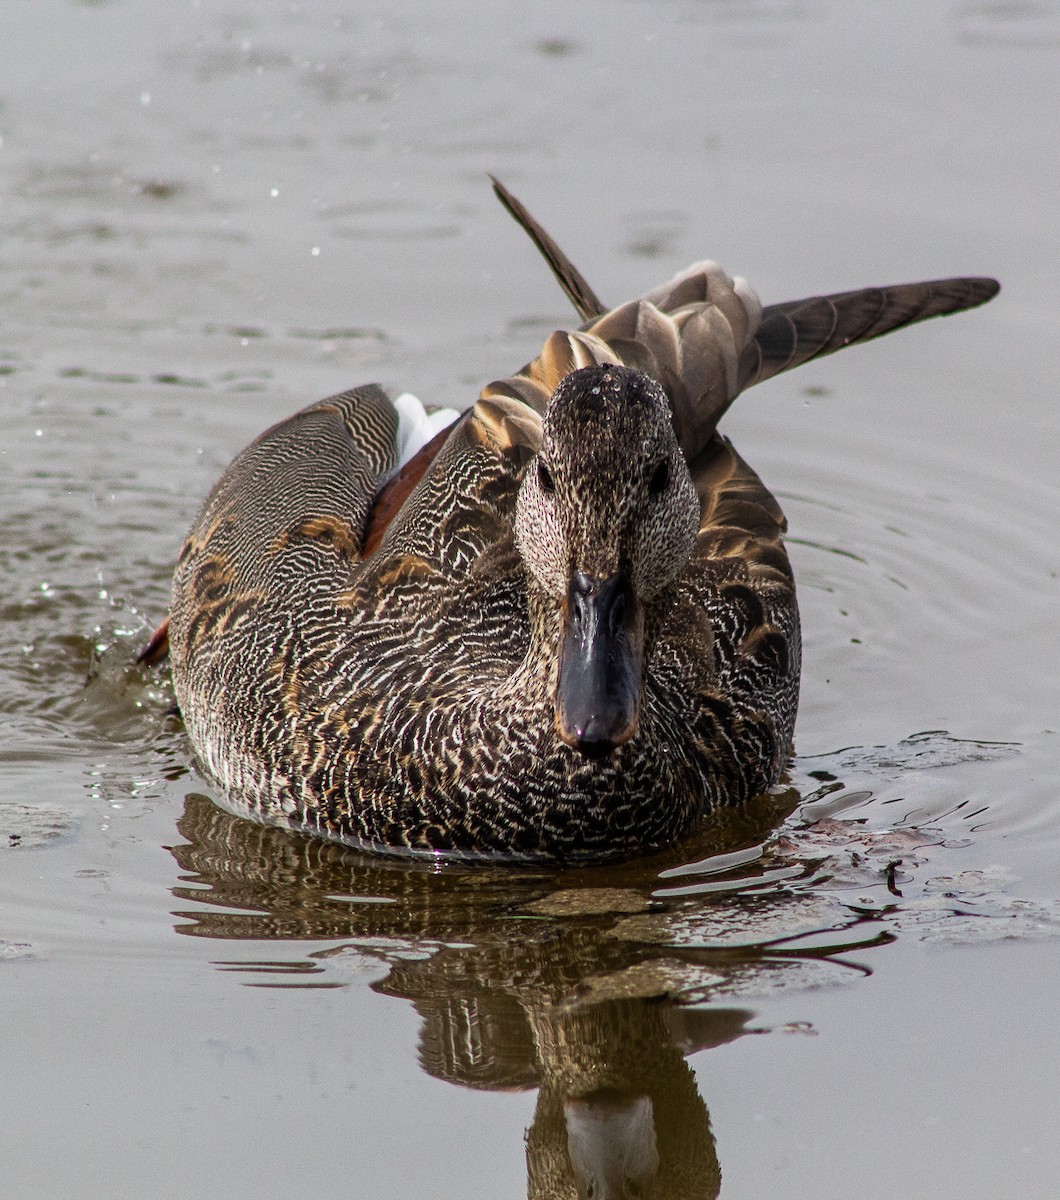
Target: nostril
{"type": "Point", "coordinates": [582, 594]}
{"type": "Point", "coordinates": [579, 612]}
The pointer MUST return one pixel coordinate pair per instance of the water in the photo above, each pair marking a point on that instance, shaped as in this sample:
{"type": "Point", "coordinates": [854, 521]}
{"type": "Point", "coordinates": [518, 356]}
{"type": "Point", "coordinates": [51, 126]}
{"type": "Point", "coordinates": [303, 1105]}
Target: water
{"type": "Point", "coordinates": [212, 215]}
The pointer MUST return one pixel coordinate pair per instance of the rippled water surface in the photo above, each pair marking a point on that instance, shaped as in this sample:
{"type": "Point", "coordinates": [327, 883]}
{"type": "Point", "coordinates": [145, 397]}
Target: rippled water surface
{"type": "Point", "coordinates": [211, 214]}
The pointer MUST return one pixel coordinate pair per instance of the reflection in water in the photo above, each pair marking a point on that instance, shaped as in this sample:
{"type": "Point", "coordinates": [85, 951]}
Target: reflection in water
{"type": "Point", "coordinates": [567, 981]}
{"type": "Point", "coordinates": [612, 1144]}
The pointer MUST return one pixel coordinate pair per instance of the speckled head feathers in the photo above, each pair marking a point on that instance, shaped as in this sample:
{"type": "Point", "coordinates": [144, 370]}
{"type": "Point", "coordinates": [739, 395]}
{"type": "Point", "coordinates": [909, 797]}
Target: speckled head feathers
{"type": "Point", "coordinates": [610, 488]}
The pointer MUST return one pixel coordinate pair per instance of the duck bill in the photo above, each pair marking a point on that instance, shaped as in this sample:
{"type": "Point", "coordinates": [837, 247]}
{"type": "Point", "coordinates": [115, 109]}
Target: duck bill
{"type": "Point", "coordinates": [601, 660]}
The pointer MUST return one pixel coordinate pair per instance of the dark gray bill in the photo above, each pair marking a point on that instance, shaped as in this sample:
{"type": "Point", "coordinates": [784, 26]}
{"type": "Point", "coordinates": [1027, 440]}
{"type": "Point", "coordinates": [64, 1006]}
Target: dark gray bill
{"type": "Point", "coordinates": [601, 655]}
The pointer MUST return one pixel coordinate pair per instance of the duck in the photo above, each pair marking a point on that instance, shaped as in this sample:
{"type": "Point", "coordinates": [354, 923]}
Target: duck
{"type": "Point", "coordinates": [563, 630]}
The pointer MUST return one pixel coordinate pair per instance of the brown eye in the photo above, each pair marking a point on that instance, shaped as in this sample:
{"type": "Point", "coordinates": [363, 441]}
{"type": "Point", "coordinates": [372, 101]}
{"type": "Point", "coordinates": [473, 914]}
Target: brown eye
{"type": "Point", "coordinates": [660, 478]}
{"type": "Point", "coordinates": [544, 478]}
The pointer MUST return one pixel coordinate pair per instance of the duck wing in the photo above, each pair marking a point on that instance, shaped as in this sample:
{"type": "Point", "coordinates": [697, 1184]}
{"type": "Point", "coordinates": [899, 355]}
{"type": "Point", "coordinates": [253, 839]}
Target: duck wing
{"type": "Point", "coordinates": [459, 495]}
{"type": "Point", "coordinates": [690, 335]}
{"type": "Point", "coordinates": [703, 335]}
{"type": "Point", "coordinates": [287, 518]}
{"type": "Point", "coordinates": [792, 333]}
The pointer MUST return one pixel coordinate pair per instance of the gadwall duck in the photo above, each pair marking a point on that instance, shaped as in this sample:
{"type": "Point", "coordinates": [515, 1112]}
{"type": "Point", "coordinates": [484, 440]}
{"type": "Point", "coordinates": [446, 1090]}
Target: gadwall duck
{"type": "Point", "coordinates": [565, 629]}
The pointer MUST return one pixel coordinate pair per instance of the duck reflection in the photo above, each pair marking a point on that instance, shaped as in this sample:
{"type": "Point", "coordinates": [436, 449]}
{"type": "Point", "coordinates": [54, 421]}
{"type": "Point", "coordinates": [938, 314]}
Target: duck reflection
{"type": "Point", "coordinates": [524, 978]}
{"type": "Point", "coordinates": [612, 1144]}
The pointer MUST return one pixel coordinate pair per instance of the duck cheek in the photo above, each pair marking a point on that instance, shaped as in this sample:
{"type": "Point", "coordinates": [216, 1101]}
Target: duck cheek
{"type": "Point", "coordinates": [601, 658]}
{"type": "Point", "coordinates": [541, 541]}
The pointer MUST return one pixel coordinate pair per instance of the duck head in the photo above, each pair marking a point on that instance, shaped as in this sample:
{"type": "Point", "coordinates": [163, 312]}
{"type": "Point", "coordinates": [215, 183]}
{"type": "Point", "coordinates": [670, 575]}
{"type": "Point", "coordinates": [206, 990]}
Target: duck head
{"type": "Point", "coordinates": [606, 520]}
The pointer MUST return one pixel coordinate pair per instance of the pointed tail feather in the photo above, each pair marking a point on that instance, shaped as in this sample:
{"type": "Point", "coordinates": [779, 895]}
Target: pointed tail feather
{"type": "Point", "coordinates": [577, 290]}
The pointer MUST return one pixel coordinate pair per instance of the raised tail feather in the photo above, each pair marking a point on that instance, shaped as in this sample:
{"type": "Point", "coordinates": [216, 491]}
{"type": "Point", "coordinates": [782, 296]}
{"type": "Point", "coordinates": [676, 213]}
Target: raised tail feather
{"type": "Point", "coordinates": [586, 302]}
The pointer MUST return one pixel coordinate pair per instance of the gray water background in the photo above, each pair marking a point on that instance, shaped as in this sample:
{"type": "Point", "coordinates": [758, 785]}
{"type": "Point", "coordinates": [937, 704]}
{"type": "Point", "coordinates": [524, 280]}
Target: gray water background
{"type": "Point", "coordinates": [212, 213]}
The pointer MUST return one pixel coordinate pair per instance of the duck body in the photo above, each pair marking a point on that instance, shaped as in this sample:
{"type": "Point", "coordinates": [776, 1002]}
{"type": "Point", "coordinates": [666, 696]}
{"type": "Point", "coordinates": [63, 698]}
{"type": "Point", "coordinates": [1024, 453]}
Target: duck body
{"type": "Point", "coordinates": [402, 700]}
{"type": "Point", "coordinates": [565, 630]}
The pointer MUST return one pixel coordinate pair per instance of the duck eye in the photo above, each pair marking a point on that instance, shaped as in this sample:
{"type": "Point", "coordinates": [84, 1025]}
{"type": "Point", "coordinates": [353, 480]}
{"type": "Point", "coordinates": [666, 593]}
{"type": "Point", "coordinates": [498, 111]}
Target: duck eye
{"type": "Point", "coordinates": [660, 477]}
{"type": "Point", "coordinates": [544, 478]}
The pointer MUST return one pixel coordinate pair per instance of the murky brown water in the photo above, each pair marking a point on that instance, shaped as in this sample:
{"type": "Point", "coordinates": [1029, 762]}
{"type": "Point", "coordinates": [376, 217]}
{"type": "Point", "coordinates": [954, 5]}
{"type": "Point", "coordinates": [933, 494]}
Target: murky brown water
{"type": "Point", "coordinates": [212, 214]}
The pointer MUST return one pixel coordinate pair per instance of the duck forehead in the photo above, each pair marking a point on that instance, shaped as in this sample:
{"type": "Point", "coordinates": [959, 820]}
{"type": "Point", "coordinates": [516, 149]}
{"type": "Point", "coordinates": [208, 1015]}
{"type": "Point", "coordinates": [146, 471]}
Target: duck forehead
{"type": "Point", "coordinates": [596, 433]}
{"type": "Point", "coordinates": [591, 455]}
{"type": "Point", "coordinates": [607, 392]}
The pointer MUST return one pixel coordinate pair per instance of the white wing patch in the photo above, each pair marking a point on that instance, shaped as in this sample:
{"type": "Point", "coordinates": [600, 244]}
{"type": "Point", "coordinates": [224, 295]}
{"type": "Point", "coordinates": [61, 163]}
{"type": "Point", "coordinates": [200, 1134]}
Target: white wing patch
{"type": "Point", "coordinates": [416, 426]}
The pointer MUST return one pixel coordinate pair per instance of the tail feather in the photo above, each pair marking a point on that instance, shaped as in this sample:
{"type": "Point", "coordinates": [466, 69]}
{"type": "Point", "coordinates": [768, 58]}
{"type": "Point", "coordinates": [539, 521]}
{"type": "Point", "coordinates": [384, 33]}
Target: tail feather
{"type": "Point", "coordinates": [574, 285]}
